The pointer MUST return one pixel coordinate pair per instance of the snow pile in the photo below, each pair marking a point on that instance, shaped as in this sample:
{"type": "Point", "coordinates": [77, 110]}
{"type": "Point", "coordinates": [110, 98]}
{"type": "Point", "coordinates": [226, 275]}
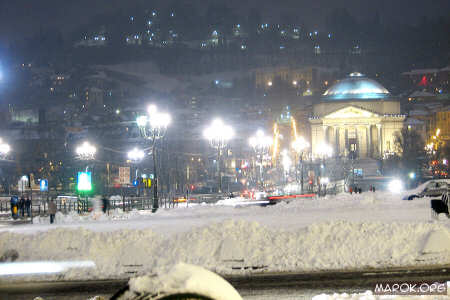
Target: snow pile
{"type": "Point", "coordinates": [230, 245]}
{"type": "Point", "coordinates": [73, 217]}
{"type": "Point", "coordinates": [368, 295]}
{"type": "Point", "coordinates": [182, 278]}
{"type": "Point", "coordinates": [437, 242]}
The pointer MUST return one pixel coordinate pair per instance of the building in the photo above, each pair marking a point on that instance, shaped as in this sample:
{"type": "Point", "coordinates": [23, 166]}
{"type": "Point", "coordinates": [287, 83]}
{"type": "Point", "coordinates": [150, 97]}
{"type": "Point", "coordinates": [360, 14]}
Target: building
{"type": "Point", "coordinates": [356, 116]}
{"type": "Point", "coordinates": [434, 81]}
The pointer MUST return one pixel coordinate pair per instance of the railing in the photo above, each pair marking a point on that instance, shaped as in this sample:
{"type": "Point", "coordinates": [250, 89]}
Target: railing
{"type": "Point", "coordinates": [39, 206]}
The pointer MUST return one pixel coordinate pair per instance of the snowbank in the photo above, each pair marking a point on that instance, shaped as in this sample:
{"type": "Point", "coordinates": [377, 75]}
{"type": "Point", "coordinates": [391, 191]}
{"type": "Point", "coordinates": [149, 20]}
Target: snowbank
{"type": "Point", "coordinates": [73, 217]}
{"type": "Point", "coordinates": [329, 233]}
{"type": "Point", "coordinates": [232, 246]}
{"type": "Point", "coordinates": [182, 278]}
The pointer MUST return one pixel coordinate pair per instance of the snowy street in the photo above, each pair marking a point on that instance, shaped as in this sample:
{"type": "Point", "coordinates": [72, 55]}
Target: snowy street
{"type": "Point", "coordinates": [369, 230]}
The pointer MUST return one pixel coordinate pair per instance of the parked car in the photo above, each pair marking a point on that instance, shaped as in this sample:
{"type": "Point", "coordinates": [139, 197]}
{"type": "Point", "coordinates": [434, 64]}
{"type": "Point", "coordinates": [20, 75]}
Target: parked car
{"type": "Point", "coordinates": [441, 206]}
{"type": "Point", "coordinates": [430, 188]}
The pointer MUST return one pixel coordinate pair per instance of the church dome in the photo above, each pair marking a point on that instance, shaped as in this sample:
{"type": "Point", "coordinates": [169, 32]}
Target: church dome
{"type": "Point", "coordinates": [356, 86]}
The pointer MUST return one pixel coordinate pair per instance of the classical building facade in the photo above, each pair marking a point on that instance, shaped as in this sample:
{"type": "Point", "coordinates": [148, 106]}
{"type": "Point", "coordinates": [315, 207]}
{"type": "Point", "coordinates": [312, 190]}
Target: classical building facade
{"type": "Point", "coordinates": [356, 116]}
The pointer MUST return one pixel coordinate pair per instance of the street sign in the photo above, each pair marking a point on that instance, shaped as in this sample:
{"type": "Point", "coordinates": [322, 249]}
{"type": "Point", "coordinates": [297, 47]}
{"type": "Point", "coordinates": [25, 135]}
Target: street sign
{"type": "Point", "coordinates": [124, 175]}
{"type": "Point", "coordinates": [84, 181]}
{"type": "Point", "coordinates": [147, 182]}
{"type": "Point", "coordinates": [43, 185]}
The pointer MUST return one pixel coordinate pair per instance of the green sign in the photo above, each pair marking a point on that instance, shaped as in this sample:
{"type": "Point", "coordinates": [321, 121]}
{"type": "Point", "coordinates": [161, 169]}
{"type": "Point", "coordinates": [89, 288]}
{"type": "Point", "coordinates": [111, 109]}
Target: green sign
{"type": "Point", "coordinates": [84, 181]}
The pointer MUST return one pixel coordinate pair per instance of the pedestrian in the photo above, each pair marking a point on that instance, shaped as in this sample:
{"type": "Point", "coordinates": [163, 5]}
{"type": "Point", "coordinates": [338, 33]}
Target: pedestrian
{"type": "Point", "coordinates": [52, 210]}
{"type": "Point", "coordinates": [22, 206]}
{"type": "Point", "coordinates": [373, 189]}
{"type": "Point", "coordinates": [28, 206]}
{"type": "Point", "coordinates": [105, 203]}
{"type": "Point", "coordinates": [350, 190]}
{"type": "Point", "coordinates": [13, 204]}
{"type": "Point", "coordinates": [360, 190]}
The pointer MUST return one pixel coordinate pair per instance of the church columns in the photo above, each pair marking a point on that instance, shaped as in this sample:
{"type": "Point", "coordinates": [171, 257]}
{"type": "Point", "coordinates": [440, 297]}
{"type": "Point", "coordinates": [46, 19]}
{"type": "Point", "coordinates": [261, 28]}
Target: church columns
{"type": "Point", "coordinates": [325, 134]}
{"type": "Point", "coordinates": [336, 140]}
{"type": "Point", "coordinates": [380, 141]}
{"type": "Point", "coordinates": [369, 140]}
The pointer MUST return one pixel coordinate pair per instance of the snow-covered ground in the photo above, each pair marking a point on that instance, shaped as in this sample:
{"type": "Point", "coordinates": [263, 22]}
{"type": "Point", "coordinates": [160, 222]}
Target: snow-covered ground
{"type": "Point", "coordinates": [335, 232]}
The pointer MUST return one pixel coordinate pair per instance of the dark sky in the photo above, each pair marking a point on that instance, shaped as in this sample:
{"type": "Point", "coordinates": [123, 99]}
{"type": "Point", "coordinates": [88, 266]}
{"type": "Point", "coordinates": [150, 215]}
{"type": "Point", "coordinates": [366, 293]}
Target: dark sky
{"type": "Point", "coordinates": [19, 18]}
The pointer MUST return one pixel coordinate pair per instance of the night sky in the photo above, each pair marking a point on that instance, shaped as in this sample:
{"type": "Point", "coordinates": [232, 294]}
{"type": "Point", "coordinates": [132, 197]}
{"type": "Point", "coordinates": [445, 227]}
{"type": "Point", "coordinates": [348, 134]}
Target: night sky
{"type": "Point", "coordinates": [23, 18]}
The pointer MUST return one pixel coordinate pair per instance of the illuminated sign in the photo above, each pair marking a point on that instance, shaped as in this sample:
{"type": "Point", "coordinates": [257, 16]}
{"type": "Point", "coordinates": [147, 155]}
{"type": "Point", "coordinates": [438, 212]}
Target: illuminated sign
{"type": "Point", "coordinates": [43, 185]}
{"type": "Point", "coordinates": [84, 181]}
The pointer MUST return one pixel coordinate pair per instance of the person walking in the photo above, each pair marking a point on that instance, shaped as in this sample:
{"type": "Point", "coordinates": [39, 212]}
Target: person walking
{"type": "Point", "coordinates": [28, 206]}
{"type": "Point", "coordinates": [22, 206]}
{"type": "Point", "coordinates": [52, 210]}
{"type": "Point", "coordinates": [105, 203]}
{"type": "Point", "coordinates": [14, 209]}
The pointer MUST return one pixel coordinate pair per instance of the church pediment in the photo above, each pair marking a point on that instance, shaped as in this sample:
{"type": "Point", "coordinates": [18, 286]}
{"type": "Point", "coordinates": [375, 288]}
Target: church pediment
{"type": "Point", "coordinates": [351, 112]}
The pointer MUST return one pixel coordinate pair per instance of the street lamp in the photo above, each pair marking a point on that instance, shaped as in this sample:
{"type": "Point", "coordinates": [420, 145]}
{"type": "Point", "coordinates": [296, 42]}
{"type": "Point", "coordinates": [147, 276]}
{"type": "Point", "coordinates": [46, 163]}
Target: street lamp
{"type": "Point", "coordinates": [324, 151]}
{"type": "Point", "coordinates": [4, 148]}
{"type": "Point", "coordinates": [260, 144]}
{"type": "Point", "coordinates": [86, 151]}
{"type": "Point", "coordinates": [299, 145]}
{"type": "Point", "coordinates": [287, 163]}
{"type": "Point", "coordinates": [135, 156]}
{"type": "Point", "coordinates": [153, 126]}
{"type": "Point", "coordinates": [218, 134]}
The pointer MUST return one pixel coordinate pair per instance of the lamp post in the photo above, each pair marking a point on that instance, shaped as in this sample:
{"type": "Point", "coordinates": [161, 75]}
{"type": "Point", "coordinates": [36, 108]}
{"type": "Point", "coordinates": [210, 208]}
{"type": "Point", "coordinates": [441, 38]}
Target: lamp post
{"type": "Point", "coordinates": [218, 134]}
{"type": "Point", "coordinates": [4, 149]}
{"type": "Point", "coordinates": [287, 163]}
{"type": "Point", "coordinates": [153, 126]}
{"type": "Point", "coordinates": [136, 156]}
{"type": "Point", "coordinates": [299, 145]}
{"type": "Point", "coordinates": [86, 152]}
{"type": "Point", "coordinates": [324, 151]}
{"type": "Point", "coordinates": [261, 144]}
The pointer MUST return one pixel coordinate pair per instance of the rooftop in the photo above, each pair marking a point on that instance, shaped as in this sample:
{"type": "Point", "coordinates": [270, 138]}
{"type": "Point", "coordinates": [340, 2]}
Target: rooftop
{"type": "Point", "coordinates": [356, 86]}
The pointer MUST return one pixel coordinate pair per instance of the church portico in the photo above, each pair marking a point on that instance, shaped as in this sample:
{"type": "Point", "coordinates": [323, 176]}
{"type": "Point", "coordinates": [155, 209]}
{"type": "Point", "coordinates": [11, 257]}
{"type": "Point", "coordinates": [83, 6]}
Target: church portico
{"type": "Point", "coordinates": [362, 126]}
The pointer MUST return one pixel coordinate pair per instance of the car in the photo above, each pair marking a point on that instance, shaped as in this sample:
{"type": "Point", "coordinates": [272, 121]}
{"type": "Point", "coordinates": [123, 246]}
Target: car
{"type": "Point", "coordinates": [430, 188]}
{"type": "Point", "coordinates": [440, 206]}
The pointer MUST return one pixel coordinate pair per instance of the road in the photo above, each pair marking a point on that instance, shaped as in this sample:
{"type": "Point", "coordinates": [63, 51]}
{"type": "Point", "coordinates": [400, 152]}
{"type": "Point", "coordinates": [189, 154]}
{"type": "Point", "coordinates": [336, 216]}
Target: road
{"type": "Point", "coordinates": [261, 286]}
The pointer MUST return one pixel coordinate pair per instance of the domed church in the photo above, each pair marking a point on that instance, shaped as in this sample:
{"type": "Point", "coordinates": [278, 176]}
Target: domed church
{"type": "Point", "coordinates": [357, 116]}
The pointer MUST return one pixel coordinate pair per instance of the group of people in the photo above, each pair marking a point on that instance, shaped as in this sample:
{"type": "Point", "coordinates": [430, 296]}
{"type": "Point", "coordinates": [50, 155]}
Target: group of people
{"type": "Point", "coordinates": [358, 190]}
{"type": "Point", "coordinates": [20, 206]}
{"type": "Point", "coordinates": [355, 190]}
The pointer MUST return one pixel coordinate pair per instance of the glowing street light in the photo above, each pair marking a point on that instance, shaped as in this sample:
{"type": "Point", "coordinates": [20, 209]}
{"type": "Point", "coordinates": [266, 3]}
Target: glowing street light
{"type": "Point", "coordinates": [136, 155]}
{"type": "Point", "coordinates": [324, 151]}
{"type": "Point", "coordinates": [153, 126]}
{"type": "Point", "coordinates": [4, 148]}
{"type": "Point", "coordinates": [286, 161]}
{"type": "Point", "coordinates": [218, 134]}
{"type": "Point", "coordinates": [261, 144]}
{"type": "Point", "coordinates": [86, 151]}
